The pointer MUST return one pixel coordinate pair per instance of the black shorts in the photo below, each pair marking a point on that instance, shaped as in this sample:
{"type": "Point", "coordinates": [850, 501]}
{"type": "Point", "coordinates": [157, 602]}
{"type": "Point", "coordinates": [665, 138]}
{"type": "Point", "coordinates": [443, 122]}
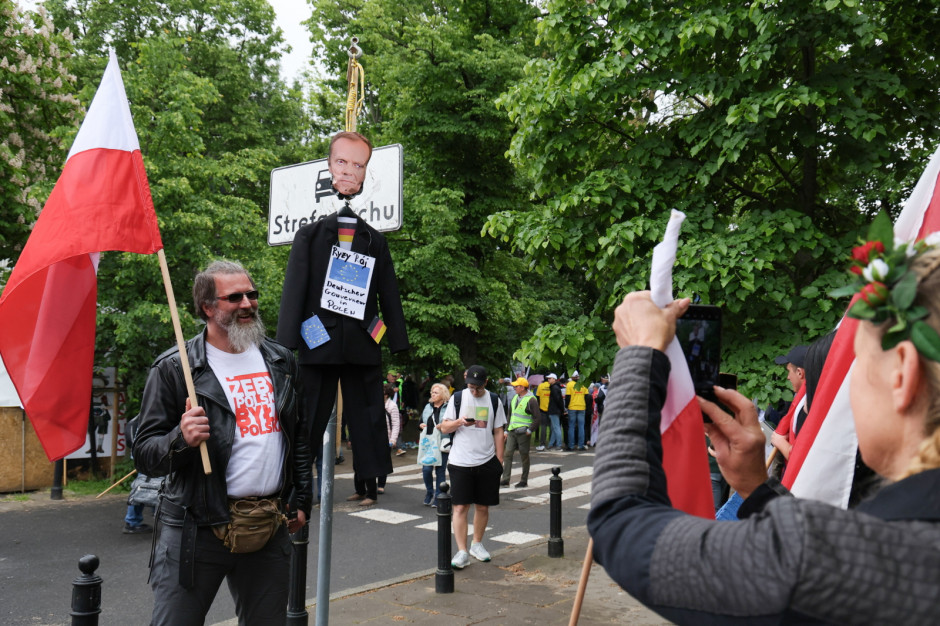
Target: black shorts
{"type": "Point", "coordinates": [476, 485]}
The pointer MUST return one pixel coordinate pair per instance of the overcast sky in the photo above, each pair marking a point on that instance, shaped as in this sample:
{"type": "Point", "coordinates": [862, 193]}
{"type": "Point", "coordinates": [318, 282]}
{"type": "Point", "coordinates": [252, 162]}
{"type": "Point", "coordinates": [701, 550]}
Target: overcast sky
{"type": "Point", "coordinates": [290, 14]}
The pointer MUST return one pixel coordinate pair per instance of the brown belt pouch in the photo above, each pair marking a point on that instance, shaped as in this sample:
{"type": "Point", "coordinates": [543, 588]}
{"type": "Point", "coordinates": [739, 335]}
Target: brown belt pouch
{"type": "Point", "coordinates": [252, 523]}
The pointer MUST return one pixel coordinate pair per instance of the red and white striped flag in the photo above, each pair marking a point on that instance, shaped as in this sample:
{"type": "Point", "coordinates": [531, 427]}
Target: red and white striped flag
{"type": "Point", "coordinates": [822, 462]}
{"type": "Point", "coordinates": [685, 459]}
{"type": "Point", "coordinates": [48, 308]}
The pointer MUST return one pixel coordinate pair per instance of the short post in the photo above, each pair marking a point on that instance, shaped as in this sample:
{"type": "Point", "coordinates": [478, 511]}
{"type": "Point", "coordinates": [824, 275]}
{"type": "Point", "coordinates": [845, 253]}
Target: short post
{"type": "Point", "coordinates": [296, 611]}
{"type": "Point", "coordinates": [56, 493]}
{"type": "Point", "coordinates": [444, 578]}
{"type": "Point", "coordinates": [556, 545]}
{"type": "Point", "coordinates": [86, 593]}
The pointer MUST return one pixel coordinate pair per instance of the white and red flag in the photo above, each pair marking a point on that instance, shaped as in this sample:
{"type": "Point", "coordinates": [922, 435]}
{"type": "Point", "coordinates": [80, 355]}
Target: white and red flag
{"type": "Point", "coordinates": [685, 459]}
{"type": "Point", "coordinates": [48, 308]}
{"type": "Point", "coordinates": [822, 462]}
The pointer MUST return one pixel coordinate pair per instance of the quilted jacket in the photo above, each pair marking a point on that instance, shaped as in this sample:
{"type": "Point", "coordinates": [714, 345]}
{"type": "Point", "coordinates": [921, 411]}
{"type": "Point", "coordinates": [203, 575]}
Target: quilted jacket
{"type": "Point", "coordinates": [792, 562]}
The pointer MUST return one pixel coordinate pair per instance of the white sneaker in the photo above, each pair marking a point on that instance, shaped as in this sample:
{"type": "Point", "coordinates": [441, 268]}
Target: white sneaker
{"type": "Point", "coordinates": [540, 448]}
{"type": "Point", "coordinates": [460, 560]}
{"type": "Point", "coordinates": [479, 552]}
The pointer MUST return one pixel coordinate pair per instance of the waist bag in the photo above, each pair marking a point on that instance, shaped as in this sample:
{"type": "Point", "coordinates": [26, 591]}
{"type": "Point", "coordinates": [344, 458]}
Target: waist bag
{"type": "Point", "coordinates": [251, 524]}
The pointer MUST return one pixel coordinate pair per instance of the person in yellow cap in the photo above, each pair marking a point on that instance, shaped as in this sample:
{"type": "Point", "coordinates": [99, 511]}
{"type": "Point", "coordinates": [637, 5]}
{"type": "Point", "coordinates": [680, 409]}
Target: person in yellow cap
{"type": "Point", "coordinates": [523, 413]}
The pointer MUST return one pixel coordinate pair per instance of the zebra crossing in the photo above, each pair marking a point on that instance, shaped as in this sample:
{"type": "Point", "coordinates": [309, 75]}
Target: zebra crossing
{"type": "Point", "coordinates": [576, 484]}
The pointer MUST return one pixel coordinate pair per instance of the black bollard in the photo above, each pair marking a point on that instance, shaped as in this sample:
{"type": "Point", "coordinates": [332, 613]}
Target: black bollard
{"type": "Point", "coordinates": [296, 611]}
{"type": "Point", "coordinates": [444, 578]}
{"type": "Point", "coordinates": [86, 593]}
{"type": "Point", "coordinates": [56, 493]}
{"type": "Point", "coordinates": [556, 545]}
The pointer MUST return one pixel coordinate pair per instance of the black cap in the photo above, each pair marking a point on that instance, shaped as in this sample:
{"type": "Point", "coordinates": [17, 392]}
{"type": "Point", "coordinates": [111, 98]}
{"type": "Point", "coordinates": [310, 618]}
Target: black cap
{"type": "Point", "coordinates": [795, 356]}
{"type": "Point", "coordinates": [476, 375]}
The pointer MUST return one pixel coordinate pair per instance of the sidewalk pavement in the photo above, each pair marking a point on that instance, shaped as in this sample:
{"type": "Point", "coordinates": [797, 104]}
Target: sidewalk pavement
{"type": "Point", "coordinates": [521, 585]}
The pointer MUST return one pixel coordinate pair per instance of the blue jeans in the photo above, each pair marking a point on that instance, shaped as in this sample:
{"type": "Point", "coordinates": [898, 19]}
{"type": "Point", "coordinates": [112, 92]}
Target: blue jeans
{"type": "Point", "coordinates": [729, 510]}
{"type": "Point", "coordinates": [429, 470]}
{"type": "Point", "coordinates": [575, 418]}
{"type": "Point", "coordinates": [135, 515]}
{"type": "Point", "coordinates": [555, 439]}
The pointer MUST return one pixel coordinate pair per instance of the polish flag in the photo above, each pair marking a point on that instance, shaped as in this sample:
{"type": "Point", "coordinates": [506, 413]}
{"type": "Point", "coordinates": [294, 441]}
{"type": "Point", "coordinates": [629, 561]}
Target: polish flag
{"type": "Point", "coordinates": [822, 462]}
{"type": "Point", "coordinates": [47, 310]}
{"type": "Point", "coordinates": [786, 426]}
{"type": "Point", "coordinates": [685, 459]}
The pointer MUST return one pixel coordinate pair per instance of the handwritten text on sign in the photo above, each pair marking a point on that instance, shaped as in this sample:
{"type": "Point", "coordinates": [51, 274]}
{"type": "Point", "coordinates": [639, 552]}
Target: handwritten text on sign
{"type": "Point", "coordinates": [347, 283]}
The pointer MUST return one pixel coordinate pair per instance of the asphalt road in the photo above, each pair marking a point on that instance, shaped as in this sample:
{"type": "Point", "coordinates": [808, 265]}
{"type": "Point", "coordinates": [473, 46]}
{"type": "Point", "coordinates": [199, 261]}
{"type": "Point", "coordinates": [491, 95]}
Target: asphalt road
{"type": "Point", "coordinates": [43, 541]}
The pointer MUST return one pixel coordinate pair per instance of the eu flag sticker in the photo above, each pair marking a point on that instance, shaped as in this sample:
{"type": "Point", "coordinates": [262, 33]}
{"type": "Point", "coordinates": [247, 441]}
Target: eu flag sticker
{"type": "Point", "coordinates": [351, 273]}
{"type": "Point", "coordinates": [314, 333]}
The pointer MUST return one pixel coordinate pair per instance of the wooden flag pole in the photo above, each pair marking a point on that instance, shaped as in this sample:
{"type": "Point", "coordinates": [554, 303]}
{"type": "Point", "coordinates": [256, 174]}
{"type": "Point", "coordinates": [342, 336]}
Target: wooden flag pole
{"type": "Point", "coordinates": [771, 457]}
{"type": "Point", "coordinates": [184, 358]}
{"type": "Point", "coordinates": [582, 584]}
{"type": "Point", "coordinates": [129, 474]}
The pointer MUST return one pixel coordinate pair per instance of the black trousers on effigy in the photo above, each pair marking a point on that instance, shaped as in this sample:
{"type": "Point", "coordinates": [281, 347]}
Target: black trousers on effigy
{"type": "Point", "coordinates": [363, 412]}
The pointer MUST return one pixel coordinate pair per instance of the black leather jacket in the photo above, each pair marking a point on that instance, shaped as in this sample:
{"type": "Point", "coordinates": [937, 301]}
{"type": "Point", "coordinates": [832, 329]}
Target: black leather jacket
{"type": "Point", "coordinates": [556, 401]}
{"type": "Point", "coordinates": [159, 448]}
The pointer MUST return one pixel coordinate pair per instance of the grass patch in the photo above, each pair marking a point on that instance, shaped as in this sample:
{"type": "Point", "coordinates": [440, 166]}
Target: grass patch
{"type": "Point", "coordinates": [14, 497]}
{"type": "Point", "coordinates": [94, 487]}
{"type": "Point", "coordinates": [85, 484]}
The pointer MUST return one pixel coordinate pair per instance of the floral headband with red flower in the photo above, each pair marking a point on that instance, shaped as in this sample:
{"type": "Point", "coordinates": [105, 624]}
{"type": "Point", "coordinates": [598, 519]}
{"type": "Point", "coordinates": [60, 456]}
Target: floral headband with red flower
{"type": "Point", "coordinates": [887, 285]}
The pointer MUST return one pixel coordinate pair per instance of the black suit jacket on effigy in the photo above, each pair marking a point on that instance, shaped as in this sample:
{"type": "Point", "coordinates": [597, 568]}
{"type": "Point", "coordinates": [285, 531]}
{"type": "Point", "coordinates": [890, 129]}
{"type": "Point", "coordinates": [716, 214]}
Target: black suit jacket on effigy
{"type": "Point", "coordinates": [350, 341]}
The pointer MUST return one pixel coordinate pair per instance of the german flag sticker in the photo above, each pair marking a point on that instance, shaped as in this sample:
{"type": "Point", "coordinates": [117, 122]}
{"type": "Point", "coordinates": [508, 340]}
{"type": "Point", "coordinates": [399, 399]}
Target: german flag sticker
{"type": "Point", "coordinates": [377, 329]}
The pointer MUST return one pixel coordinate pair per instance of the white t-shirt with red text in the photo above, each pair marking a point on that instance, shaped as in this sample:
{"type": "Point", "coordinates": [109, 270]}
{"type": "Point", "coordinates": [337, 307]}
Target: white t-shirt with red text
{"type": "Point", "coordinates": [257, 460]}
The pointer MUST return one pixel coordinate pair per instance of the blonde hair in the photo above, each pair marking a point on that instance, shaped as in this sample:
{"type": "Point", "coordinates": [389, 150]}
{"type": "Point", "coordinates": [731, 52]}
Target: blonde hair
{"type": "Point", "coordinates": [445, 392]}
{"type": "Point", "coordinates": [928, 295]}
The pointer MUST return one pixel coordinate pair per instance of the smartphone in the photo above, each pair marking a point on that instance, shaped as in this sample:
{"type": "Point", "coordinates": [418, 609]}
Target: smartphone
{"type": "Point", "coordinates": [699, 334]}
{"type": "Point", "coordinates": [470, 420]}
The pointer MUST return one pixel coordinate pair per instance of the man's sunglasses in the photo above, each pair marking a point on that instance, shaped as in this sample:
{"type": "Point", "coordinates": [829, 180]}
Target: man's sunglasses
{"type": "Point", "coordinates": [236, 298]}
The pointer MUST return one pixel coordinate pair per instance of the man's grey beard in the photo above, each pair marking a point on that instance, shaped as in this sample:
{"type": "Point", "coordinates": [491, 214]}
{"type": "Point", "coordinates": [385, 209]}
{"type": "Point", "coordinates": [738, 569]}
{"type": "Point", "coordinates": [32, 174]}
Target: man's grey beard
{"type": "Point", "coordinates": [243, 336]}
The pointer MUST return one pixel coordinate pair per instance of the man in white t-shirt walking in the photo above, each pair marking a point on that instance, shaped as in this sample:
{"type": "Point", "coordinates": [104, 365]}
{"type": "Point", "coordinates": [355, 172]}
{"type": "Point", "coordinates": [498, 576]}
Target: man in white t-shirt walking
{"type": "Point", "coordinates": [249, 418]}
{"type": "Point", "coordinates": [477, 419]}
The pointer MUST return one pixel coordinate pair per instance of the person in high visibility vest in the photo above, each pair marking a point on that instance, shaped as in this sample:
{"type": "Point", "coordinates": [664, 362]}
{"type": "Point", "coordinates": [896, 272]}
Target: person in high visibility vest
{"type": "Point", "coordinates": [524, 412]}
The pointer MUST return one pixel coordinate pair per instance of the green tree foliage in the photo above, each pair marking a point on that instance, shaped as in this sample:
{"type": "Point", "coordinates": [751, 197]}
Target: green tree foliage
{"type": "Point", "coordinates": [778, 127]}
{"type": "Point", "coordinates": [434, 71]}
{"type": "Point", "coordinates": [37, 107]}
{"type": "Point", "coordinates": [213, 118]}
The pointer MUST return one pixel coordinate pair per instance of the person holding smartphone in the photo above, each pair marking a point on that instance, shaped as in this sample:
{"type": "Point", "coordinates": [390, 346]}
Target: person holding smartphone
{"type": "Point", "coordinates": [876, 564]}
{"type": "Point", "coordinates": [477, 419]}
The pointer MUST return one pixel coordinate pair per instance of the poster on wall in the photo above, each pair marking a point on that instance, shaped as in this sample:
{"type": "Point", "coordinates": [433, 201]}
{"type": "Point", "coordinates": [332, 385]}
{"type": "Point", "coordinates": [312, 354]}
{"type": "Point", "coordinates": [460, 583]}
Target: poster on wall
{"type": "Point", "coordinates": [106, 413]}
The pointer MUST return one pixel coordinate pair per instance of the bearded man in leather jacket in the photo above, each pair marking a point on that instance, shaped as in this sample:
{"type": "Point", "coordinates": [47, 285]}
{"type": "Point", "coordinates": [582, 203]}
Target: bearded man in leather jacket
{"type": "Point", "coordinates": [249, 417]}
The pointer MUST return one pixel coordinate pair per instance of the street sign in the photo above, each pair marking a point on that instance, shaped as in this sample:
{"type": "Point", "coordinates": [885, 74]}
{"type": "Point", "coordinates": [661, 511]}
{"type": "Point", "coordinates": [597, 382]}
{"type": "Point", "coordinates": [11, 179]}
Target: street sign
{"type": "Point", "coordinates": [303, 193]}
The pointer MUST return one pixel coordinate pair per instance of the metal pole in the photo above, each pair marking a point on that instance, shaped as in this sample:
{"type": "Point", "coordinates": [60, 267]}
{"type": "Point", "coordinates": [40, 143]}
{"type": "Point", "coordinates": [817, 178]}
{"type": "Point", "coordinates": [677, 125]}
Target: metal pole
{"type": "Point", "coordinates": [325, 553]}
{"type": "Point", "coordinates": [444, 578]}
{"type": "Point", "coordinates": [57, 471]}
{"type": "Point", "coordinates": [556, 545]}
{"type": "Point", "coordinates": [86, 593]}
{"type": "Point", "coordinates": [23, 453]}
